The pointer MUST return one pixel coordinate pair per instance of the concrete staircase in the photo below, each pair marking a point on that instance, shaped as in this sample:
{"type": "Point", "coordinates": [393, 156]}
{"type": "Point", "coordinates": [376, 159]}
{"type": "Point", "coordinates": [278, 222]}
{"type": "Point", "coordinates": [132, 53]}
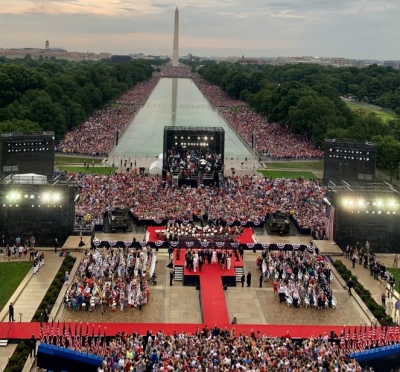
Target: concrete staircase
{"type": "Point", "coordinates": [239, 272]}
{"type": "Point", "coordinates": [179, 273]}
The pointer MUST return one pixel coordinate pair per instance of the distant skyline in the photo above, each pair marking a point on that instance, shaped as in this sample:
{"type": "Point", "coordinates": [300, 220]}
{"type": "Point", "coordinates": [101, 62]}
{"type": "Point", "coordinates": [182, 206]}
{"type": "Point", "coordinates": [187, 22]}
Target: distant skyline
{"type": "Point", "coordinates": [356, 29]}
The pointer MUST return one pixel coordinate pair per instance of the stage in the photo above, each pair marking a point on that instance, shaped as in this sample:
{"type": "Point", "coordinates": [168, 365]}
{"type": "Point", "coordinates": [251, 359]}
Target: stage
{"type": "Point", "coordinates": [212, 280]}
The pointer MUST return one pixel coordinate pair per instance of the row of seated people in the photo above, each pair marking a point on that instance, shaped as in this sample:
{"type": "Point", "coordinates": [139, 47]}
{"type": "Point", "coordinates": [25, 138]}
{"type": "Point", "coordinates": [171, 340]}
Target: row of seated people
{"type": "Point", "coordinates": [111, 279]}
{"type": "Point", "coordinates": [173, 232]}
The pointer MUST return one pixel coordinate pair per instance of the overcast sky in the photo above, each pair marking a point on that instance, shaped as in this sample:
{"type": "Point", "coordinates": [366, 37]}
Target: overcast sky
{"type": "Point", "coordinates": [341, 28]}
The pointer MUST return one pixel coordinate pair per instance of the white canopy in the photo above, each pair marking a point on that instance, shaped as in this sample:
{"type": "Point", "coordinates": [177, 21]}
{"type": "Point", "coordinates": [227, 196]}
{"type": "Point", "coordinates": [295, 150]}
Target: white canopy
{"type": "Point", "coordinates": [29, 178]}
{"type": "Point", "coordinates": [155, 168]}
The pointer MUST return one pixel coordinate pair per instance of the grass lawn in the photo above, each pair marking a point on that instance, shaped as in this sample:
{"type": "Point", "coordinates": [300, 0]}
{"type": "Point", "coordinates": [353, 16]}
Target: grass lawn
{"type": "Point", "coordinates": [309, 165]}
{"type": "Point", "coordinates": [66, 159]}
{"type": "Point", "coordinates": [287, 174]}
{"type": "Point", "coordinates": [384, 115]}
{"type": "Point", "coordinates": [81, 169]}
{"type": "Point", "coordinates": [11, 275]}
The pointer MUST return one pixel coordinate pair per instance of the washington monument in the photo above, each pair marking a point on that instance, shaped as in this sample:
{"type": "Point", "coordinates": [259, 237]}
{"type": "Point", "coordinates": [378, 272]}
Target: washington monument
{"type": "Point", "coordinates": [175, 50]}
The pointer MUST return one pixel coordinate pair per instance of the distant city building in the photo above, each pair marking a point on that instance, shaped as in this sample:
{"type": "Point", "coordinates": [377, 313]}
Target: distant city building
{"type": "Point", "coordinates": [121, 59]}
{"type": "Point", "coordinates": [394, 64]}
{"type": "Point", "coordinates": [47, 45]}
{"type": "Point", "coordinates": [56, 53]}
{"type": "Point", "coordinates": [251, 61]}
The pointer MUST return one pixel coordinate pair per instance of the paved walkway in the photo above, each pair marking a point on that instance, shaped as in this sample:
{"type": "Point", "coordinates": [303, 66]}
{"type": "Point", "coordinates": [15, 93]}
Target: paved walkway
{"type": "Point", "coordinates": [29, 295]}
{"type": "Point", "coordinates": [374, 286]}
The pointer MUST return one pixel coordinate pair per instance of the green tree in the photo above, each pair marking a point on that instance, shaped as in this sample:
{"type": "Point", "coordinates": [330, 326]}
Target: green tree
{"type": "Point", "coordinates": [388, 151]}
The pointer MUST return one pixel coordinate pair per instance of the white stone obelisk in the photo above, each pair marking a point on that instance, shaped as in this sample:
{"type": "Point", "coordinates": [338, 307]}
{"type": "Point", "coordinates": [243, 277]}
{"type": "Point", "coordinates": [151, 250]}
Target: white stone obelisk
{"type": "Point", "coordinates": [175, 50]}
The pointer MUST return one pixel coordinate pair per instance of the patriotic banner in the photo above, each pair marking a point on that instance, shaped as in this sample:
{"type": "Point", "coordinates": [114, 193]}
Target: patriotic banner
{"type": "Point", "coordinates": [220, 244]}
{"type": "Point", "coordinates": [250, 245]}
{"type": "Point", "coordinates": [158, 222]}
{"type": "Point", "coordinates": [296, 246]}
{"type": "Point", "coordinates": [112, 243]}
{"type": "Point", "coordinates": [171, 222]}
{"type": "Point", "coordinates": [189, 244]}
{"type": "Point", "coordinates": [281, 245]}
{"type": "Point", "coordinates": [127, 243]}
{"type": "Point", "coordinates": [96, 242]}
{"type": "Point", "coordinates": [265, 245]}
{"type": "Point", "coordinates": [143, 243]}
{"type": "Point", "coordinates": [159, 243]}
{"type": "Point", "coordinates": [173, 244]}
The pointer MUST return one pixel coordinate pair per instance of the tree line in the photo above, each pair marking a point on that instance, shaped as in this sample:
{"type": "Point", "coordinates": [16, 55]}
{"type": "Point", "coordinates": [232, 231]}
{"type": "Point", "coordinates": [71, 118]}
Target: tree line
{"type": "Point", "coordinates": [309, 100]}
{"type": "Point", "coordinates": [58, 95]}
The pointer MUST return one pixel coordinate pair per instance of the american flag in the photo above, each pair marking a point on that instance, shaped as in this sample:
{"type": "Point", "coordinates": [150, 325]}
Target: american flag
{"type": "Point", "coordinates": [80, 339]}
{"type": "Point", "coordinates": [104, 349]}
{"type": "Point", "coordinates": [47, 333]}
{"type": "Point", "coordinates": [370, 335]}
{"type": "Point", "coordinates": [93, 343]}
{"type": "Point", "coordinates": [75, 341]}
{"type": "Point", "coordinates": [360, 341]}
{"type": "Point", "coordinates": [381, 341]}
{"type": "Point", "coordinates": [58, 334]}
{"type": "Point", "coordinates": [87, 339]}
{"type": "Point", "coordinates": [97, 351]}
{"type": "Point", "coordinates": [354, 343]}
{"type": "Point", "coordinates": [348, 341]}
{"type": "Point", "coordinates": [396, 334]}
{"type": "Point", "coordinates": [387, 336]}
{"type": "Point", "coordinates": [390, 334]}
{"type": "Point", "coordinates": [64, 336]}
{"type": "Point", "coordinates": [342, 340]}
{"type": "Point", "coordinates": [41, 334]}
{"type": "Point", "coordinates": [52, 332]}
{"type": "Point", "coordinates": [70, 342]}
{"type": "Point", "coordinates": [330, 221]}
{"type": "Point", "coordinates": [374, 344]}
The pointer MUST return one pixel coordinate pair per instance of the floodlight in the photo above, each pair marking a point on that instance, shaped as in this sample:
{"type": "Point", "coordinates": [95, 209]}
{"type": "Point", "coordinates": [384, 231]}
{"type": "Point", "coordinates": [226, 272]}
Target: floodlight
{"type": "Point", "coordinates": [57, 196]}
{"type": "Point", "coordinates": [379, 203]}
{"type": "Point", "coordinates": [46, 196]}
{"type": "Point", "coordinates": [361, 202]}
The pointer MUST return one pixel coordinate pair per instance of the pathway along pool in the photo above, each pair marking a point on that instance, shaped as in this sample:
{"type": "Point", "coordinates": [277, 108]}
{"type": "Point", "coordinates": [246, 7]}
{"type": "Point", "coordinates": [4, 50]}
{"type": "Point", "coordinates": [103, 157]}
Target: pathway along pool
{"type": "Point", "coordinates": [175, 102]}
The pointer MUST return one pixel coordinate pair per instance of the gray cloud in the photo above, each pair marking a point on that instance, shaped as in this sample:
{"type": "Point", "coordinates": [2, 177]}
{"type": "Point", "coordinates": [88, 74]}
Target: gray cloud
{"type": "Point", "coordinates": [355, 29]}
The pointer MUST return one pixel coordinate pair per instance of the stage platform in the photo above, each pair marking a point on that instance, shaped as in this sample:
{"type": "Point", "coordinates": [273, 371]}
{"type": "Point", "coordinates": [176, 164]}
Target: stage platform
{"type": "Point", "coordinates": [212, 280]}
{"type": "Point", "coordinates": [328, 248]}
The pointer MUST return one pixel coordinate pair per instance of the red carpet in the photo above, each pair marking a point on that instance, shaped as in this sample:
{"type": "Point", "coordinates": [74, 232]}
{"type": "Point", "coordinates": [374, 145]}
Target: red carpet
{"type": "Point", "coordinates": [21, 331]}
{"type": "Point", "coordinates": [246, 237]}
{"type": "Point", "coordinates": [212, 295]}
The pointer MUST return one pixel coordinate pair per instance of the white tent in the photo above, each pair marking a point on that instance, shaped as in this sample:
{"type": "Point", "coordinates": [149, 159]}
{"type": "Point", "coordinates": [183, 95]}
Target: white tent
{"type": "Point", "coordinates": [29, 178]}
{"type": "Point", "coordinates": [155, 168]}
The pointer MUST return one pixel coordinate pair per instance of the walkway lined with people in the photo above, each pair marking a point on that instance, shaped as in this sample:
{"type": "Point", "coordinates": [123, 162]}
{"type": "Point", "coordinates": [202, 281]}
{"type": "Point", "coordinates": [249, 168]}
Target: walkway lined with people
{"type": "Point", "coordinates": [272, 139]}
{"type": "Point", "coordinates": [95, 137]}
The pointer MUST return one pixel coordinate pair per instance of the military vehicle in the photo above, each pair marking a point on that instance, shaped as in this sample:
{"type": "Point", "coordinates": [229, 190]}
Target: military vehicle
{"type": "Point", "coordinates": [279, 221]}
{"type": "Point", "coordinates": [118, 219]}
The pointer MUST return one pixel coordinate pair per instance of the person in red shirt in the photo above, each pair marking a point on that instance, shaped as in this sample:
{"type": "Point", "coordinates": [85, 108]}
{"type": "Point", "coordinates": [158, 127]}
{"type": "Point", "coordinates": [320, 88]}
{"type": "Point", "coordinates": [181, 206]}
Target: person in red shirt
{"type": "Point", "coordinates": [275, 287]}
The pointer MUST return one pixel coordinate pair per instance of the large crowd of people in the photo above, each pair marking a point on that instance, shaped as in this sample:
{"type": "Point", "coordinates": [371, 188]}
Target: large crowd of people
{"type": "Point", "coordinates": [272, 139]}
{"type": "Point", "coordinates": [175, 71]}
{"type": "Point", "coordinates": [95, 136]}
{"type": "Point", "coordinates": [300, 278]}
{"type": "Point", "coordinates": [114, 279]}
{"type": "Point", "coordinates": [213, 349]}
{"type": "Point", "coordinates": [244, 199]}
